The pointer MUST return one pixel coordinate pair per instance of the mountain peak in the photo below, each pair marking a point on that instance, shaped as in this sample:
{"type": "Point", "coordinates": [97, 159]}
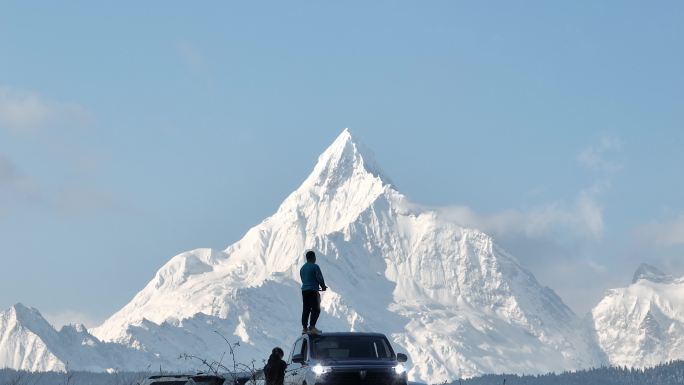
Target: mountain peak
{"type": "Point", "coordinates": [344, 183]}
{"type": "Point", "coordinates": [24, 312]}
{"type": "Point", "coordinates": [651, 273]}
{"type": "Point", "coordinates": [29, 317]}
{"type": "Point", "coordinates": [345, 157]}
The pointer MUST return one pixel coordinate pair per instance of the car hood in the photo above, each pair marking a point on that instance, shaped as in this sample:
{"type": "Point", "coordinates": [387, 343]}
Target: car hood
{"type": "Point", "coordinates": [364, 363]}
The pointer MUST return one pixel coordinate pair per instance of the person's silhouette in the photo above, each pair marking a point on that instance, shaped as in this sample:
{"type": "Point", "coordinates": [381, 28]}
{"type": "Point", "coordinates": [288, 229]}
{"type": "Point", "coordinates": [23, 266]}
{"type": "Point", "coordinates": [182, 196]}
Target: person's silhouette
{"type": "Point", "coordinates": [312, 278]}
{"type": "Point", "coordinates": [274, 371]}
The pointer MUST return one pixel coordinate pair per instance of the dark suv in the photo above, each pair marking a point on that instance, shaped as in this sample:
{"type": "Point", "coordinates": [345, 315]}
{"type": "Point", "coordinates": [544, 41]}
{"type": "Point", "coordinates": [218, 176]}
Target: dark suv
{"type": "Point", "coordinates": [345, 359]}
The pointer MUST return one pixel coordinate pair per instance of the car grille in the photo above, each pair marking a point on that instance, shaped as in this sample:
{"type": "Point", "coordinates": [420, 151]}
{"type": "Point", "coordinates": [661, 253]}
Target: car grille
{"type": "Point", "coordinates": [384, 376]}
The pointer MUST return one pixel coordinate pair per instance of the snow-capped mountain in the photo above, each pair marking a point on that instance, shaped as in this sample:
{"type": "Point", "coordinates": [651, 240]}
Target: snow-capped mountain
{"type": "Point", "coordinates": [29, 342]}
{"type": "Point", "coordinates": [447, 295]}
{"type": "Point", "coordinates": [642, 324]}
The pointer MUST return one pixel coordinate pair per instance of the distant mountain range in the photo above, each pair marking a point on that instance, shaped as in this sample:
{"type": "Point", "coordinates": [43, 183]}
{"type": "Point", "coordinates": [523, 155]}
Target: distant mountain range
{"type": "Point", "coordinates": [449, 296]}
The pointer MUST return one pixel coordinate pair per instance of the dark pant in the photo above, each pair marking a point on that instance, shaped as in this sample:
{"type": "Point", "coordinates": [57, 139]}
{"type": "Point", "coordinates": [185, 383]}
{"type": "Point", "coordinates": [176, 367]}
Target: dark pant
{"type": "Point", "coordinates": [312, 306]}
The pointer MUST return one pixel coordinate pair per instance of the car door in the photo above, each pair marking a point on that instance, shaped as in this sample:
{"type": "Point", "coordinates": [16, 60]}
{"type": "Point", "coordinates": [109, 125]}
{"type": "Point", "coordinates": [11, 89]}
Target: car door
{"type": "Point", "coordinates": [301, 375]}
{"type": "Point", "coordinates": [292, 373]}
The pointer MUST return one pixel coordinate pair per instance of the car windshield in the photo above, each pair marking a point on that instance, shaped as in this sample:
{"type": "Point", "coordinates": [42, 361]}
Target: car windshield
{"type": "Point", "coordinates": [351, 347]}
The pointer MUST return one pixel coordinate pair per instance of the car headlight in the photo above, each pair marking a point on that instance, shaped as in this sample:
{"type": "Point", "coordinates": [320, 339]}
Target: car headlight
{"type": "Point", "coordinates": [319, 369]}
{"type": "Point", "coordinates": [400, 369]}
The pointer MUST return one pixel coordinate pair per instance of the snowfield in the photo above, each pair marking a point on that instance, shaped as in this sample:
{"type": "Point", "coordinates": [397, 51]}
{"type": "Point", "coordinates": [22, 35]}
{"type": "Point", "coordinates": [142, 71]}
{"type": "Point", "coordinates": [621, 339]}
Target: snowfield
{"type": "Point", "coordinates": [449, 296]}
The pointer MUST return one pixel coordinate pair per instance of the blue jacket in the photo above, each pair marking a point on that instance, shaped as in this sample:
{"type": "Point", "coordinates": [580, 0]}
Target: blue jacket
{"type": "Point", "coordinates": [311, 277]}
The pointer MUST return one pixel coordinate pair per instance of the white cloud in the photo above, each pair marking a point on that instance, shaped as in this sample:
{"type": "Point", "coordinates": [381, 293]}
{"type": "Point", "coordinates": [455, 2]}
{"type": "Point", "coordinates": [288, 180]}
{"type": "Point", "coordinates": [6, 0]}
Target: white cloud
{"type": "Point", "coordinates": [77, 200]}
{"type": "Point", "coordinates": [22, 111]}
{"type": "Point", "coordinates": [15, 187]}
{"type": "Point", "coordinates": [8, 171]}
{"type": "Point", "coordinates": [668, 233]}
{"type": "Point", "coordinates": [71, 317]}
{"type": "Point", "coordinates": [599, 157]}
{"type": "Point", "coordinates": [595, 266]}
{"type": "Point", "coordinates": [583, 218]}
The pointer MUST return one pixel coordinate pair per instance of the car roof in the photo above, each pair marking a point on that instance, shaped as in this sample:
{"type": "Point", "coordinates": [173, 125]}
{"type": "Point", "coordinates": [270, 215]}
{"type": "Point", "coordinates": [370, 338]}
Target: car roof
{"type": "Point", "coordinates": [347, 334]}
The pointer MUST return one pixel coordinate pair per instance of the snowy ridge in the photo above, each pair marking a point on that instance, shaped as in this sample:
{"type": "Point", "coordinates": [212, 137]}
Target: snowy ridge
{"type": "Point", "coordinates": [28, 341]}
{"type": "Point", "coordinates": [643, 324]}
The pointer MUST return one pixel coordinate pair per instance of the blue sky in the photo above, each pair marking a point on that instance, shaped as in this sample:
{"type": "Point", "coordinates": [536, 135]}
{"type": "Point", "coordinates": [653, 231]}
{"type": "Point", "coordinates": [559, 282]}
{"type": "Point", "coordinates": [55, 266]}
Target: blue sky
{"type": "Point", "coordinates": [130, 132]}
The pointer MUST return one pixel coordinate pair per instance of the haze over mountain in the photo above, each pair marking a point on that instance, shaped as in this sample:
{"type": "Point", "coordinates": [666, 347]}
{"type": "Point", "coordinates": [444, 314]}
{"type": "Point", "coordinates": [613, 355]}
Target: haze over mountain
{"type": "Point", "coordinates": [449, 296]}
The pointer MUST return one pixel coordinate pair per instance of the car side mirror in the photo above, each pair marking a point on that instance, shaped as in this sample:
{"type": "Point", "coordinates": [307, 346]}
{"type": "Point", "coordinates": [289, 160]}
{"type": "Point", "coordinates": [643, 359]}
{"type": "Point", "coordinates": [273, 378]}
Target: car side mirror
{"type": "Point", "coordinates": [401, 357]}
{"type": "Point", "coordinates": [297, 358]}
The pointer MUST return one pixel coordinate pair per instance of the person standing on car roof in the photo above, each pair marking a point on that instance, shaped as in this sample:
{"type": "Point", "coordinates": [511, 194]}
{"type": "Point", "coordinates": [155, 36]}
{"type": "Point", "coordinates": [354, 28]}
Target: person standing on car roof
{"type": "Point", "coordinates": [274, 371]}
{"type": "Point", "coordinates": [312, 278]}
